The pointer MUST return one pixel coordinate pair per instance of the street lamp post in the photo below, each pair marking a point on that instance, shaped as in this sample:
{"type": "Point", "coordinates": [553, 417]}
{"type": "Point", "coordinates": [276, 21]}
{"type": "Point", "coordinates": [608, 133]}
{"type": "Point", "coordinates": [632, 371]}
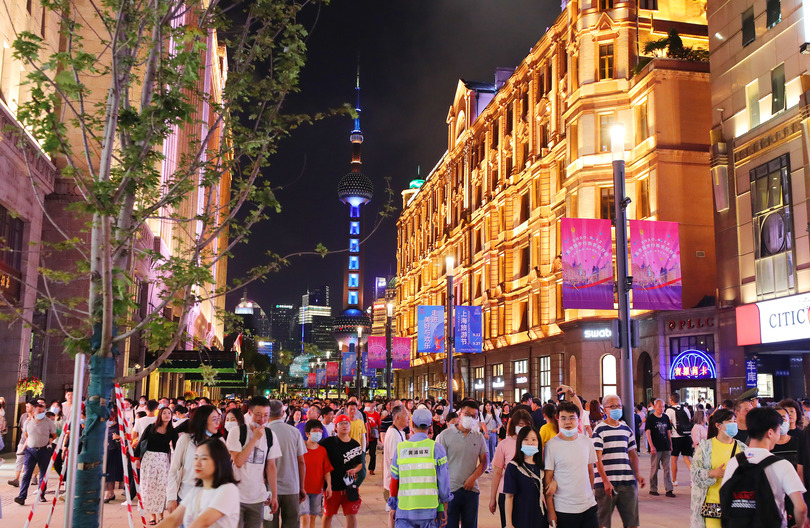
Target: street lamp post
{"type": "Point", "coordinates": [340, 369]}
{"type": "Point", "coordinates": [389, 352]}
{"type": "Point", "coordinates": [624, 281]}
{"type": "Point", "coordinates": [358, 360]}
{"type": "Point", "coordinates": [448, 334]}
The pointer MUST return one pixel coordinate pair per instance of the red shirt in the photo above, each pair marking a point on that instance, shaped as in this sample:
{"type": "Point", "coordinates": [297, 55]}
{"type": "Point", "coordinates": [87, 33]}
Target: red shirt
{"type": "Point", "coordinates": [317, 465]}
{"type": "Point", "coordinates": [373, 420]}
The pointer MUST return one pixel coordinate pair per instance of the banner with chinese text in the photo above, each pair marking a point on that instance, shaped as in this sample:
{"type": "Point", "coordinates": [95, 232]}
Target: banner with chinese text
{"type": "Point", "coordinates": [311, 381]}
{"type": "Point", "coordinates": [349, 366]}
{"type": "Point", "coordinates": [320, 377]}
{"type": "Point", "coordinates": [587, 259]}
{"type": "Point", "coordinates": [655, 254]}
{"type": "Point", "coordinates": [430, 329]}
{"type": "Point", "coordinates": [366, 370]}
{"type": "Point", "coordinates": [468, 330]}
{"type": "Point", "coordinates": [402, 352]}
{"type": "Point", "coordinates": [376, 352]}
{"type": "Point", "coordinates": [332, 368]}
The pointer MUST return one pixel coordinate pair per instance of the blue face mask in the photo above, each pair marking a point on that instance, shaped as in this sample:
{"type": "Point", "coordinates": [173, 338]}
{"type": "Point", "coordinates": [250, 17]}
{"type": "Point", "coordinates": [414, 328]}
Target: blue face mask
{"type": "Point", "coordinates": [568, 432]}
{"type": "Point", "coordinates": [40, 416]}
{"type": "Point", "coordinates": [616, 414]}
{"type": "Point", "coordinates": [315, 436]}
{"type": "Point", "coordinates": [731, 429]}
{"type": "Point", "coordinates": [529, 450]}
{"type": "Point", "coordinates": [208, 433]}
{"type": "Point", "coordinates": [160, 406]}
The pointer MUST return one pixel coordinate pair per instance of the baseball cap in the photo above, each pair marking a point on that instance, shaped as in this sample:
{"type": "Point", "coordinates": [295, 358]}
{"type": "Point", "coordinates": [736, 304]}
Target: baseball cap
{"type": "Point", "coordinates": [342, 418]}
{"type": "Point", "coordinates": [422, 418]}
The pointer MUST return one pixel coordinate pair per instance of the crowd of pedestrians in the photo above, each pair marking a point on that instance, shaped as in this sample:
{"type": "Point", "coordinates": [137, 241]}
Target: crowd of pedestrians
{"type": "Point", "coordinates": [300, 462]}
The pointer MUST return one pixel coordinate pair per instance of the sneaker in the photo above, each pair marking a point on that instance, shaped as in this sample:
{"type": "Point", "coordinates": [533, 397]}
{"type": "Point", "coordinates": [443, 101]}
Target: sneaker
{"type": "Point", "coordinates": [675, 483]}
{"type": "Point", "coordinates": [14, 482]}
{"type": "Point", "coordinates": [42, 498]}
{"type": "Point", "coordinates": [670, 494]}
{"type": "Point", "coordinates": [34, 482]}
{"type": "Point", "coordinates": [20, 501]}
{"type": "Point", "coordinates": [654, 493]}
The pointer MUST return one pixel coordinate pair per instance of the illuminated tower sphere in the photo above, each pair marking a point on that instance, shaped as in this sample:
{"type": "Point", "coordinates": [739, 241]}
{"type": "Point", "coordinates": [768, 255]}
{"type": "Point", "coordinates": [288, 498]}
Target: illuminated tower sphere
{"type": "Point", "coordinates": [355, 190]}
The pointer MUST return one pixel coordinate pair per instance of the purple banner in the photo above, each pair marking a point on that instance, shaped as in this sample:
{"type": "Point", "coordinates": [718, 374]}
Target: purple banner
{"type": "Point", "coordinates": [402, 352]}
{"type": "Point", "coordinates": [376, 352]}
{"type": "Point", "coordinates": [430, 329]}
{"type": "Point", "coordinates": [320, 377]}
{"type": "Point", "coordinates": [655, 253]}
{"type": "Point", "coordinates": [332, 368]}
{"type": "Point", "coordinates": [349, 366]}
{"type": "Point", "coordinates": [587, 259]}
{"type": "Point", "coordinates": [367, 370]}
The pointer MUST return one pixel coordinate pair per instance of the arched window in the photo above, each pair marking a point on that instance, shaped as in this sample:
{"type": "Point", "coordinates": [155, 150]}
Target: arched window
{"type": "Point", "coordinates": [608, 374]}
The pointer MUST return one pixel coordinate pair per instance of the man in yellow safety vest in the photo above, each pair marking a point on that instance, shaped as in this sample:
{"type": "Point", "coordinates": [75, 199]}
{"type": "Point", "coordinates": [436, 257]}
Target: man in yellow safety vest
{"type": "Point", "coordinates": [420, 480]}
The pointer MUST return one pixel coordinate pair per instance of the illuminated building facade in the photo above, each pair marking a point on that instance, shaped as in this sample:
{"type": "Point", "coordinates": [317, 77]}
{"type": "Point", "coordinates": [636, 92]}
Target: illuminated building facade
{"type": "Point", "coordinates": [534, 147]}
{"type": "Point", "coordinates": [760, 144]}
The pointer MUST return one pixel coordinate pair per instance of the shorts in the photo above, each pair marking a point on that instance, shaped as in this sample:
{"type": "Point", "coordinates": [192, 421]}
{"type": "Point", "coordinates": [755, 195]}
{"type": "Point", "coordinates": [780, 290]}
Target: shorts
{"type": "Point", "coordinates": [338, 499]}
{"type": "Point", "coordinates": [682, 446]}
{"type": "Point", "coordinates": [624, 499]}
{"type": "Point", "coordinates": [312, 504]}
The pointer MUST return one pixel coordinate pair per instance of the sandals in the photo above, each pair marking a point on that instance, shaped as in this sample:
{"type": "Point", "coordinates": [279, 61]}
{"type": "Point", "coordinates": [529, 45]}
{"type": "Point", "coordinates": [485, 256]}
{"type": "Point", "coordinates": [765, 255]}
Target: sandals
{"type": "Point", "coordinates": [109, 499]}
{"type": "Point", "coordinates": [152, 523]}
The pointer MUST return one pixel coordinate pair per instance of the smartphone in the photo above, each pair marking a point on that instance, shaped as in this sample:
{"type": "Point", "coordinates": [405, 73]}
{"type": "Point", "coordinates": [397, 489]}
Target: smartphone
{"type": "Point", "coordinates": [561, 395]}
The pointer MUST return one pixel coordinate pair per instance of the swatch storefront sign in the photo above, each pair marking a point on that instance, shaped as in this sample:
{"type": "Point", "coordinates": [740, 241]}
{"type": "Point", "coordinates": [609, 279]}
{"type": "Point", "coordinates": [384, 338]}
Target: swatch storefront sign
{"type": "Point", "coordinates": [774, 321]}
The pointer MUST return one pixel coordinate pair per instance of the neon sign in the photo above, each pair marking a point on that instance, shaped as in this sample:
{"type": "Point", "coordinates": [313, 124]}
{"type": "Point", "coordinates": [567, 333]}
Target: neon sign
{"type": "Point", "coordinates": [692, 365]}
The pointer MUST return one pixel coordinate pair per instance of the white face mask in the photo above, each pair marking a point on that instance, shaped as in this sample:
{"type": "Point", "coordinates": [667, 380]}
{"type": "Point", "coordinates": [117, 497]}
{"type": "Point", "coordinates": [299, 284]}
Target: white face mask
{"type": "Point", "coordinates": [468, 422]}
{"type": "Point", "coordinates": [517, 429]}
{"type": "Point", "coordinates": [230, 425]}
{"type": "Point", "coordinates": [785, 427]}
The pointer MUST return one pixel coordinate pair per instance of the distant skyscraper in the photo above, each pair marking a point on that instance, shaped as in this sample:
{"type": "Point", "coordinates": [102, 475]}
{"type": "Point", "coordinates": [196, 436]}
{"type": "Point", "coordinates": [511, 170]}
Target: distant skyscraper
{"type": "Point", "coordinates": [256, 325]}
{"type": "Point", "coordinates": [281, 326]}
{"type": "Point", "coordinates": [354, 190]}
{"type": "Point", "coordinates": [315, 319]}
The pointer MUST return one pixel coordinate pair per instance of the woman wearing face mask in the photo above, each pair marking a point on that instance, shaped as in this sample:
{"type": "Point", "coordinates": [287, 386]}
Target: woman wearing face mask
{"type": "Point", "coordinates": [234, 419]}
{"type": "Point", "coordinates": [709, 466]}
{"type": "Point", "coordinates": [59, 418]}
{"type": "Point", "coordinates": [523, 483]}
{"type": "Point", "coordinates": [503, 454]}
{"type": "Point", "coordinates": [490, 425]}
{"type": "Point", "coordinates": [202, 426]}
{"type": "Point", "coordinates": [155, 451]}
{"type": "Point", "coordinates": [114, 468]}
{"type": "Point", "coordinates": [796, 416]}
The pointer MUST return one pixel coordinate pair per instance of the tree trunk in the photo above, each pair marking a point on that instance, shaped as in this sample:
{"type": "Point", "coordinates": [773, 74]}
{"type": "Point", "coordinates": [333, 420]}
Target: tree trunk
{"type": "Point", "coordinates": [87, 499]}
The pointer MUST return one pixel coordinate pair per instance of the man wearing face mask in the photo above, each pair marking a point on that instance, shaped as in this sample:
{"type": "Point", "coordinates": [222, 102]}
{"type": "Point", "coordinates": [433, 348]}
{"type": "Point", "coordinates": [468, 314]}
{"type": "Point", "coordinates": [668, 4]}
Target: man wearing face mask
{"type": "Point", "coordinates": [467, 460]}
{"type": "Point", "coordinates": [39, 432]}
{"type": "Point", "coordinates": [617, 478]}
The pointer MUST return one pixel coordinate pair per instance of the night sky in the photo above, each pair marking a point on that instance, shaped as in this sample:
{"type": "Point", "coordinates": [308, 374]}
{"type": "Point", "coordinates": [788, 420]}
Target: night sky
{"type": "Point", "coordinates": [412, 54]}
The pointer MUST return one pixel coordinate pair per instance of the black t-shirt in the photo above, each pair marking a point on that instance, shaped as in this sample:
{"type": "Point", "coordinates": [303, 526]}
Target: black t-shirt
{"type": "Point", "coordinates": [386, 422]}
{"type": "Point", "coordinates": [742, 436]}
{"type": "Point", "coordinates": [343, 456]}
{"type": "Point", "coordinates": [788, 451]}
{"type": "Point", "coordinates": [658, 427]}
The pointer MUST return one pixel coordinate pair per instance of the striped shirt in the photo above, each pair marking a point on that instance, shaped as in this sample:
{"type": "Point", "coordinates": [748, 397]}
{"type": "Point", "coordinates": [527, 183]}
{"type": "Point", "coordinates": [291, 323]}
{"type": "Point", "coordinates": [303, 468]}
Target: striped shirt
{"type": "Point", "coordinates": [615, 444]}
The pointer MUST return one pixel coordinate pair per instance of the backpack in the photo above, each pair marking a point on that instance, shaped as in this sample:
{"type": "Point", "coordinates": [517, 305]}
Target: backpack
{"type": "Point", "coordinates": [746, 499]}
{"type": "Point", "coordinates": [683, 425]}
{"type": "Point", "coordinates": [268, 434]}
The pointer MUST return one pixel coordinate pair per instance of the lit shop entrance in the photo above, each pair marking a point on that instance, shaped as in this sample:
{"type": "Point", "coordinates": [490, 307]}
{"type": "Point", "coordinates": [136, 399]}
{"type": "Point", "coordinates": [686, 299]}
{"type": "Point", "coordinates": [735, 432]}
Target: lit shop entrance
{"type": "Point", "coordinates": [693, 369]}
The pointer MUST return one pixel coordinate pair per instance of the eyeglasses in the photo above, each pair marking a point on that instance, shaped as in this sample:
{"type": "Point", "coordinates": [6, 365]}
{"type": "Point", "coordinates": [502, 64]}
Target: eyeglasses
{"type": "Point", "coordinates": [611, 407]}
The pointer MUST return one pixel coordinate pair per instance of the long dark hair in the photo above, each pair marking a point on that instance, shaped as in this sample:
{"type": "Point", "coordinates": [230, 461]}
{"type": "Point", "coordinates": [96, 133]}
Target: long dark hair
{"type": "Point", "coordinates": [199, 423]}
{"type": "Point", "coordinates": [159, 421]}
{"type": "Point", "coordinates": [719, 416]}
{"type": "Point", "coordinates": [520, 458]}
{"type": "Point", "coordinates": [223, 465]}
{"type": "Point", "coordinates": [788, 402]}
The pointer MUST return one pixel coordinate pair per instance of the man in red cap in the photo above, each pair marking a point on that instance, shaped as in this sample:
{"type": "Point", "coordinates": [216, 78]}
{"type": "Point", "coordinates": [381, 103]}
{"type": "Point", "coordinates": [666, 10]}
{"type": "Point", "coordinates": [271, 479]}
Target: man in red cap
{"type": "Point", "coordinates": [346, 456]}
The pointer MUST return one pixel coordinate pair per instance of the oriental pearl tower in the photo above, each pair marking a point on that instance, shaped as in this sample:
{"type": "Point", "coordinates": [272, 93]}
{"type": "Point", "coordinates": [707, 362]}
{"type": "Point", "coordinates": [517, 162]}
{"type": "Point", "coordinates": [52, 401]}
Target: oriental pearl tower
{"type": "Point", "coordinates": [354, 190]}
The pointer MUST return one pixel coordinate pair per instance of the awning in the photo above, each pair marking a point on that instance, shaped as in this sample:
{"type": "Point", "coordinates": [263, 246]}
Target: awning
{"type": "Point", "coordinates": [236, 379]}
{"type": "Point", "coordinates": [188, 361]}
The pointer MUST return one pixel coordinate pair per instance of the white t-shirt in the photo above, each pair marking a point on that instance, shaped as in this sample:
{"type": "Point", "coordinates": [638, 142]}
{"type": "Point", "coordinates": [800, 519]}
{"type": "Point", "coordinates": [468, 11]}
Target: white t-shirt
{"type": "Point", "coordinates": [571, 461]}
{"type": "Point", "coordinates": [142, 423]}
{"type": "Point", "coordinates": [392, 439]}
{"type": "Point", "coordinates": [252, 488]}
{"type": "Point", "coordinates": [783, 478]}
{"type": "Point", "coordinates": [224, 499]}
{"type": "Point", "coordinates": [329, 429]}
{"type": "Point", "coordinates": [673, 419]}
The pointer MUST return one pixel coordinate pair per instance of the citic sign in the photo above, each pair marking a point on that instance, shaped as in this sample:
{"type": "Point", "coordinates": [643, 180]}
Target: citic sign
{"type": "Point", "coordinates": [775, 321]}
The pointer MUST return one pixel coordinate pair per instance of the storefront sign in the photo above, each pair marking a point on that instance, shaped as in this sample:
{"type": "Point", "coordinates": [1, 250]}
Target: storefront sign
{"type": "Point", "coordinates": [692, 365]}
{"type": "Point", "coordinates": [520, 380]}
{"type": "Point", "coordinates": [750, 373]}
{"type": "Point", "coordinates": [782, 373]}
{"type": "Point", "coordinates": [597, 333]}
{"type": "Point", "coordinates": [478, 384]}
{"type": "Point", "coordinates": [775, 321]}
{"type": "Point", "coordinates": [498, 383]}
{"type": "Point", "coordinates": [691, 323]}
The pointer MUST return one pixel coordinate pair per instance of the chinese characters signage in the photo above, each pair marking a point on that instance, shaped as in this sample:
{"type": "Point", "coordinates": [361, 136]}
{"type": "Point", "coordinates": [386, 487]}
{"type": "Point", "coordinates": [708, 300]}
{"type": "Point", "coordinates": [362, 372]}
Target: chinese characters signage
{"type": "Point", "coordinates": [750, 373]}
{"type": "Point", "coordinates": [468, 329]}
{"type": "Point", "coordinates": [320, 377]}
{"type": "Point", "coordinates": [349, 366]}
{"type": "Point", "coordinates": [430, 331]}
{"type": "Point", "coordinates": [402, 352]}
{"type": "Point", "coordinates": [692, 365]}
{"type": "Point", "coordinates": [332, 371]}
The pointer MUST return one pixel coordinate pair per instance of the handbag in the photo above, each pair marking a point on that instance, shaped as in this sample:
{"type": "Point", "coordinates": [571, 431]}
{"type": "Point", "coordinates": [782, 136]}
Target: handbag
{"type": "Point", "coordinates": [711, 510]}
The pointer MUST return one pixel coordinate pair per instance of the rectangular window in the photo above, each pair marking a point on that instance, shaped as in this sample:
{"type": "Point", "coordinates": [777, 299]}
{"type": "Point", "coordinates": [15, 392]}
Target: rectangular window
{"type": "Point", "coordinates": [354, 228]}
{"type": "Point", "coordinates": [604, 5]}
{"type": "Point", "coordinates": [605, 61]}
{"type": "Point", "coordinates": [642, 123]}
{"type": "Point", "coordinates": [752, 104]}
{"type": "Point", "coordinates": [494, 135]}
{"type": "Point", "coordinates": [774, 9]}
{"type": "Point", "coordinates": [652, 5]}
{"type": "Point", "coordinates": [510, 116]}
{"type": "Point", "coordinates": [643, 201]}
{"type": "Point", "coordinates": [545, 378]}
{"type": "Point", "coordinates": [501, 319]}
{"type": "Point", "coordinates": [354, 280]}
{"type": "Point", "coordinates": [478, 372]}
{"type": "Point", "coordinates": [497, 370]}
{"type": "Point", "coordinates": [521, 366]}
{"type": "Point", "coordinates": [354, 263]}
{"type": "Point", "coordinates": [524, 107]}
{"type": "Point", "coordinates": [523, 324]}
{"type": "Point", "coordinates": [749, 32]}
{"type": "Point", "coordinates": [606, 203]}
{"type": "Point", "coordinates": [605, 122]}
{"type": "Point", "coordinates": [525, 209]}
{"type": "Point", "coordinates": [778, 89]}
{"type": "Point", "coordinates": [560, 312]}
{"type": "Point", "coordinates": [525, 260]}
{"type": "Point", "coordinates": [354, 212]}
{"type": "Point", "coordinates": [353, 297]}
{"type": "Point", "coordinates": [354, 245]}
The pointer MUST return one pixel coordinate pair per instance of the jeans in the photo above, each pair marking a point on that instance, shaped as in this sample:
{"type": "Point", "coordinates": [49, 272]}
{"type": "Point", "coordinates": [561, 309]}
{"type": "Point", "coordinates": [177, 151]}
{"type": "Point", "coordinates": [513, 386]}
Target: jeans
{"type": "Point", "coordinates": [35, 457]}
{"type": "Point", "coordinates": [251, 515]}
{"type": "Point", "coordinates": [660, 458]}
{"type": "Point", "coordinates": [463, 509]}
{"type": "Point", "coordinates": [287, 513]}
{"type": "Point", "coordinates": [372, 455]}
{"type": "Point", "coordinates": [492, 443]}
{"type": "Point", "coordinates": [406, 523]}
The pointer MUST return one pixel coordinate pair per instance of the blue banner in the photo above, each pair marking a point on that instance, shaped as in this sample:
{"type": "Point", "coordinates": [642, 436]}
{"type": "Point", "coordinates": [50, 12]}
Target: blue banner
{"type": "Point", "coordinates": [320, 377]}
{"type": "Point", "coordinates": [367, 372]}
{"type": "Point", "coordinates": [372, 383]}
{"type": "Point", "coordinates": [468, 330]}
{"type": "Point", "coordinates": [430, 329]}
{"type": "Point", "coordinates": [349, 370]}
{"type": "Point", "coordinates": [750, 373]}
